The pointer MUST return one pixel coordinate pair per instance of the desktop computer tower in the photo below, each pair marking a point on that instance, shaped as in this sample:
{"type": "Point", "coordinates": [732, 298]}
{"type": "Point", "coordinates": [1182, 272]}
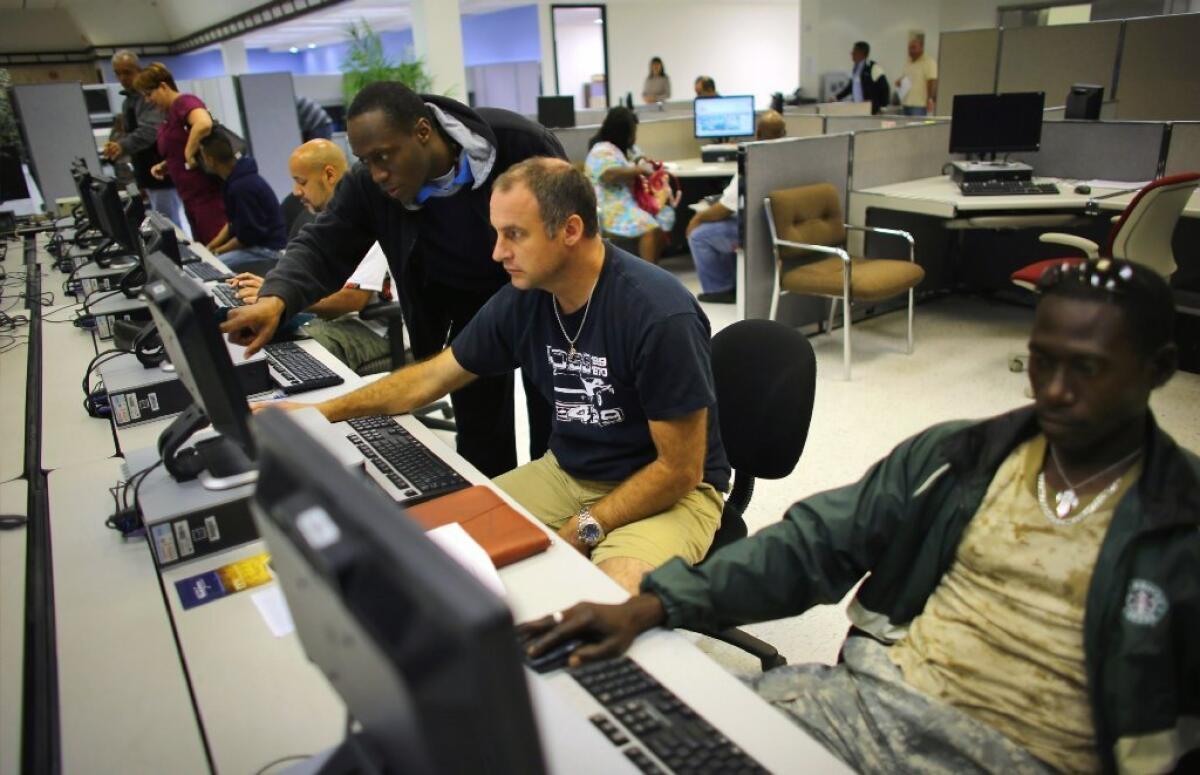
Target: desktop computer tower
{"type": "Point", "coordinates": [984, 172]}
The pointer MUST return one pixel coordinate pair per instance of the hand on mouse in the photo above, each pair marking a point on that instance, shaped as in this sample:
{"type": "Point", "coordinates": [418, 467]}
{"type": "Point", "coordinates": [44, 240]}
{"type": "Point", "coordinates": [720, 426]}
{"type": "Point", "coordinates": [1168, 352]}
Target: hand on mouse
{"type": "Point", "coordinates": [607, 630]}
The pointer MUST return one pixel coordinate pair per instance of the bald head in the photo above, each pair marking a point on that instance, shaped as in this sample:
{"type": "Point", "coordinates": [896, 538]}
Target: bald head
{"type": "Point", "coordinates": [316, 167]}
{"type": "Point", "coordinates": [770, 126]}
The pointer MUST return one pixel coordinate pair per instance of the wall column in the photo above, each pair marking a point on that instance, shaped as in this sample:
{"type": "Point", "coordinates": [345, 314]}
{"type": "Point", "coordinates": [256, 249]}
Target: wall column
{"type": "Point", "coordinates": [437, 39]}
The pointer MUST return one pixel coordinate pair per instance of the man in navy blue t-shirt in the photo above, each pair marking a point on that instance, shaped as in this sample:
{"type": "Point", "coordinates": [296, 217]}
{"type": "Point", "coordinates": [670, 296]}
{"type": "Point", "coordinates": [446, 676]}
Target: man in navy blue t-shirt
{"type": "Point", "coordinates": [620, 348]}
{"type": "Point", "coordinates": [256, 232]}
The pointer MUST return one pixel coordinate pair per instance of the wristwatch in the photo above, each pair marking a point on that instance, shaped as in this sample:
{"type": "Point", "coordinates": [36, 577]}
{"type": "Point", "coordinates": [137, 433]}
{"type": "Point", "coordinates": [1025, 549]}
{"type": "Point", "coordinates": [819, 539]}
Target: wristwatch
{"type": "Point", "coordinates": [588, 530]}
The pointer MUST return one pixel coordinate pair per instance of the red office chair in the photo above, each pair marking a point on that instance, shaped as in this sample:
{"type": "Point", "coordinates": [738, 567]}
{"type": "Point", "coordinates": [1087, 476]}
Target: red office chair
{"type": "Point", "coordinates": [1142, 233]}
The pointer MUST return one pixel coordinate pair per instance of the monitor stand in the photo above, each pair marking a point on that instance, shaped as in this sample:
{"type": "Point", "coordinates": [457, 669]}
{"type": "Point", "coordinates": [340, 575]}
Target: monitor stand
{"type": "Point", "coordinates": [218, 463]}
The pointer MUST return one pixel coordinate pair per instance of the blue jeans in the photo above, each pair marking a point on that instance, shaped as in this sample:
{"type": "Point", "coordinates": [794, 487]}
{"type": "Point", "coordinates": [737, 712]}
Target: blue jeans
{"type": "Point", "coordinates": [912, 110]}
{"type": "Point", "coordinates": [167, 202]}
{"type": "Point", "coordinates": [256, 260]}
{"type": "Point", "coordinates": [714, 249]}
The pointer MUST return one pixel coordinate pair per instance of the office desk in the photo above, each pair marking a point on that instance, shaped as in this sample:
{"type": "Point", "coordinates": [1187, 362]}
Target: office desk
{"type": "Point", "coordinates": [13, 370]}
{"type": "Point", "coordinates": [12, 626]}
{"type": "Point", "coordinates": [1118, 203]}
{"type": "Point", "coordinates": [697, 168]}
{"type": "Point", "coordinates": [123, 699]}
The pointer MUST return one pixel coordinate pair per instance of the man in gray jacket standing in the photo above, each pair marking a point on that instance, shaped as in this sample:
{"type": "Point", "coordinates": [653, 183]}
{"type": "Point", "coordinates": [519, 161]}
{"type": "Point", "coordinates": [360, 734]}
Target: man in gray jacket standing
{"type": "Point", "coordinates": [139, 138]}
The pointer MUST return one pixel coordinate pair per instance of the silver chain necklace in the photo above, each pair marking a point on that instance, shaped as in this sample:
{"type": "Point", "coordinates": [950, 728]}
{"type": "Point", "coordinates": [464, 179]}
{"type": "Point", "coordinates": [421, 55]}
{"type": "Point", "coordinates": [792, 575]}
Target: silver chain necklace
{"type": "Point", "coordinates": [1053, 515]}
{"type": "Point", "coordinates": [1067, 500]}
{"type": "Point", "coordinates": [587, 306]}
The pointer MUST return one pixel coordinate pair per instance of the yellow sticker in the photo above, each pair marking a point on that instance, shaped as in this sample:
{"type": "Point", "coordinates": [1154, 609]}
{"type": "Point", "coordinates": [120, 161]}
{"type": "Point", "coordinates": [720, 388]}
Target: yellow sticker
{"type": "Point", "coordinates": [245, 574]}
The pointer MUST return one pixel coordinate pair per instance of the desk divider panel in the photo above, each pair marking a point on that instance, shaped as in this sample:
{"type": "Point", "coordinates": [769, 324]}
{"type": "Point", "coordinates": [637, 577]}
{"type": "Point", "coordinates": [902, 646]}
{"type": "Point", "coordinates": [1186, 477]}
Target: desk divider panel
{"type": "Point", "coordinates": [884, 156]}
{"type": "Point", "coordinates": [268, 103]}
{"type": "Point", "coordinates": [55, 128]}
{"type": "Point", "coordinates": [803, 125]}
{"type": "Point", "coordinates": [667, 139]}
{"type": "Point", "coordinates": [800, 110]}
{"type": "Point", "coordinates": [1184, 153]}
{"type": "Point", "coordinates": [844, 108]}
{"type": "Point", "coordinates": [575, 140]}
{"type": "Point", "coordinates": [1156, 81]}
{"type": "Point", "coordinates": [768, 166]}
{"type": "Point", "coordinates": [1052, 58]}
{"type": "Point", "coordinates": [966, 64]}
{"type": "Point", "coordinates": [1108, 150]}
{"type": "Point", "coordinates": [836, 124]}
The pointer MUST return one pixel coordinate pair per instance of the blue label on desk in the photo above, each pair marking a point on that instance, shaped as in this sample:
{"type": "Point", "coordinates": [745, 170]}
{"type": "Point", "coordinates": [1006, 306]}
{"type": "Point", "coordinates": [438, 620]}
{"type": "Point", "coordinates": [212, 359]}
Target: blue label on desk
{"type": "Point", "coordinates": [199, 590]}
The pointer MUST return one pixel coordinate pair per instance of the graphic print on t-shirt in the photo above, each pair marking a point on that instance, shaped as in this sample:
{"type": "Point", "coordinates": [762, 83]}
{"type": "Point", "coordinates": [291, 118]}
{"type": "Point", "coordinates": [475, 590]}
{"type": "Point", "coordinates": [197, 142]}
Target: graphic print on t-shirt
{"type": "Point", "coordinates": [580, 390]}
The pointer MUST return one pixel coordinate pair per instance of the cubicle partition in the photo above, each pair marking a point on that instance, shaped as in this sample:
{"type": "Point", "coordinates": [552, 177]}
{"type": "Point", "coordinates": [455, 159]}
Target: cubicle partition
{"type": "Point", "coordinates": [967, 63]}
{"type": "Point", "coordinates": [669, 138]}
{"type": "Point", "coordinates": [844, 108]}
{"type": "Point", "coordinates": [836, 124]}
{"type": "Point", "coordinates": [1156, 81]}
{"type": "Point", "coordinates": [1183, 155]}
{"type": "Point", "coordinates": [799, 125]}
{"type": "Point", "coordinates": [1109, 150]}
{"type": "Point", "coordinates": [1052, 58]}
{"type": "Point", "coordinates": [884, 156]}
{"type": "Point", "coordinates": [55, 128]}
{"type": "Point", "coordinates": [268, 105]}
{"type": "Point", "coordinates": [765, 167]}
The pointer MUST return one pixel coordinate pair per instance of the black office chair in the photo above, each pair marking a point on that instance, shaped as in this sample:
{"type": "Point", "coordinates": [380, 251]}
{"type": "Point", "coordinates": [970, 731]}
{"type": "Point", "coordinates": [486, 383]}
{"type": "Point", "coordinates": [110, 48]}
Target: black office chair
{"type": "Point", "coordinates": [765, 375]}
{"type": "Point", "coordinates": [389, 313]}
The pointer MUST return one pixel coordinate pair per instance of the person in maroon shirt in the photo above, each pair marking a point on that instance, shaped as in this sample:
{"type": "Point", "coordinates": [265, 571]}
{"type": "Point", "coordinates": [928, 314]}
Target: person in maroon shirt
{"type": "Point", "coordinates": [187, 122]}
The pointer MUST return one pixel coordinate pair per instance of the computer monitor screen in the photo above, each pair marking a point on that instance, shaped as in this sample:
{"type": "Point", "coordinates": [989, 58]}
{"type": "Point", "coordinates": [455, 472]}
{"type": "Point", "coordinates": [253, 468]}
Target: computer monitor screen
{"type": "Point", "coordinates": [556, 112]}
{"type": "Point", "coordinates": [83, 184]}
{"type": "Point", "coordinates": [1084, 101]}
{"type": "Point", "coordinates": [12, 175]}
{"type": "Point", "coordinates": [996, 123]}
{"type": "Point", "coordinates": [97, 100]}
{"type": "Point", "coordinates": [119, 222]}
{"type": "Point", "coordinates": [187, 322]}
{"type": "Point", "coordinates": [158, 235]}
{"type": "Point", "coordinates": [423, 655]}
{"type": "Point", "coordinates": [724, 116]}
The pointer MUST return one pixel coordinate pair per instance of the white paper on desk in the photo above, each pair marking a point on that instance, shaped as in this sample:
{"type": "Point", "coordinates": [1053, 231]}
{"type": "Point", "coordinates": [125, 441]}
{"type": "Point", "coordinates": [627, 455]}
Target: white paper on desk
{"type": "Point", "coordinates": [903, 88]}
{"type": "Point", "coordinates": [273, 608]}
{"type": "Point", "coordinates": [1115, 183]}
{"type": "Point", "coordinates": [467, 552]}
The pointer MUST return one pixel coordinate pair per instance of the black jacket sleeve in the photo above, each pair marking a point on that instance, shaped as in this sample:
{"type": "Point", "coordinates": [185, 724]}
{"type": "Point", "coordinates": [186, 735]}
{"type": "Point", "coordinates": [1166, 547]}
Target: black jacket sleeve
{"type": "Point", "coordinates": [326, 251]}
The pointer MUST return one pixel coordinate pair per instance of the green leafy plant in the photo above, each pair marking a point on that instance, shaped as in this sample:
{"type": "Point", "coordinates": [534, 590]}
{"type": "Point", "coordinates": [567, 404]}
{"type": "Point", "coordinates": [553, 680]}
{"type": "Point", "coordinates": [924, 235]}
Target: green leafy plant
{"type": "Point", "coordinates": [366, 62]}
{"type": "Point", "coordinates": [9, 136]}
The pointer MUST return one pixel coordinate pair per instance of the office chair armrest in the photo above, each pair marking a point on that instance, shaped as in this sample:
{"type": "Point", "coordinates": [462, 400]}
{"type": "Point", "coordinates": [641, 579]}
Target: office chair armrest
{"type": "Point", "coordinates": [912, 244]}
{"type": "Point", "coordinates": [767, 655]}
{"type": "Point", "coordinates": [1089, 248]}
{"type": "Point", "coordinates": [815, 248]}
{"type": "Point", "coordinates": [386, 311]}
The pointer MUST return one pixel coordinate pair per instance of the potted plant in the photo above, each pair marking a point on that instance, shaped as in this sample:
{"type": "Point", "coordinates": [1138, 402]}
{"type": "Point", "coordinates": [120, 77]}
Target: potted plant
{"type": "Point", "coordinates": [366, 62]}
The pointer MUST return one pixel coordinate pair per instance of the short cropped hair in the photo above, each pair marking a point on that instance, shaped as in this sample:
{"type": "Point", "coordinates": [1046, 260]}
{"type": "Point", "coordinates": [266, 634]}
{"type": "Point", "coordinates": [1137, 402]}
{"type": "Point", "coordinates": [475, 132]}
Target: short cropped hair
{"type": "Point", "coordinates": [153, 76]}
{"type": "Point", "coordinates": [400, 104]}
{"type": "Point", "coordinates": [864, 47]}
{"type": "Point", "coordinates": [1141, 293]}
{"type": "Point", "coordinates": [125, 53]}
{"type": "Point", "coordinates": [560, 190]}
{"type": "Point", "coordinates": [217, 146]}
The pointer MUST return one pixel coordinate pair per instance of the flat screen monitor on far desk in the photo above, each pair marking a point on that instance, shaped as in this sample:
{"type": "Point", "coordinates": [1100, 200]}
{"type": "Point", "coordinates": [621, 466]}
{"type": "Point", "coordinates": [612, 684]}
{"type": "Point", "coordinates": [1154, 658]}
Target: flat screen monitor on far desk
{"type": "Point", "coordinates": [988, 124]}
{"type": "Point", "coordinates": [423, 655]}
{"type": "Point", "coordinates": [556, 112]}
{"type": "Point", "coordinates": [719, 118]}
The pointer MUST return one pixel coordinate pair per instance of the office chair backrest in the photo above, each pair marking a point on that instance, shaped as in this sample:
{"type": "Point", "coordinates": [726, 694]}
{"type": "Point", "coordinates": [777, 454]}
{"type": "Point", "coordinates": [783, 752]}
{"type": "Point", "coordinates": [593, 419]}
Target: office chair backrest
{"type": "Point", "coordinates": [1143, 232]}
{"type": "Point", "coordinates": [765, 375]}
{"type": "Point", "coordinates": [811, 214]}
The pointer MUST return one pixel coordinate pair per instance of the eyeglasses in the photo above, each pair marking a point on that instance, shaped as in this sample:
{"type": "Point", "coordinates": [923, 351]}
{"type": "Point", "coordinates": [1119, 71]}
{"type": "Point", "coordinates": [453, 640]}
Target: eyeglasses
{"type": "Point", "coordinates": [1106, 274]}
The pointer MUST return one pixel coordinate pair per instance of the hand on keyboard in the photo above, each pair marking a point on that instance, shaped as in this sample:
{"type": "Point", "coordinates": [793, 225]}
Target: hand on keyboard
{"type": "Point", "coordinates": [607, 630]}
{"type": "Point", "coordinates": [246, 284]}
{"type": "Point", "coordinates": [286, 406]}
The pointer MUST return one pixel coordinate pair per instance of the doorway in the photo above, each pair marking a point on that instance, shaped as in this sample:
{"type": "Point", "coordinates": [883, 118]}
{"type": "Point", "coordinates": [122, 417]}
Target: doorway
{"type": "Point", "coordinates": [580, 34]}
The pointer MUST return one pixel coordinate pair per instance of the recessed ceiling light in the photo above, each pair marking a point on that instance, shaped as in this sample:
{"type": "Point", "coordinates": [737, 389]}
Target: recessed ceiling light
{"type": "Point", "coordinates": [312, 45]}
{"type": "Point", "coordinates": [293, 50]}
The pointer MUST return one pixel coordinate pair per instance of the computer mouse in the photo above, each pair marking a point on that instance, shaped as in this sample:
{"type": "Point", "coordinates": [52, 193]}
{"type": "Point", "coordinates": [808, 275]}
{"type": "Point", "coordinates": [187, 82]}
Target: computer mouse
{"type": "Point", "coordinates": [1082, 189]}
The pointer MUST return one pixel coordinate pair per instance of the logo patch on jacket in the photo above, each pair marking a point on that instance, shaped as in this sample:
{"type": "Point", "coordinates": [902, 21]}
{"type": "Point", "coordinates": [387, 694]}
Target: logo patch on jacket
{"type": "Point", "coordinates": [1145, 603]}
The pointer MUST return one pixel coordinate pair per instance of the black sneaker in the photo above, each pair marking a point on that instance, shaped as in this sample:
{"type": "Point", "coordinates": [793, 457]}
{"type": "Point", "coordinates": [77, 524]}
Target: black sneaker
{"type": "Point", "coordinates": [719, 297]}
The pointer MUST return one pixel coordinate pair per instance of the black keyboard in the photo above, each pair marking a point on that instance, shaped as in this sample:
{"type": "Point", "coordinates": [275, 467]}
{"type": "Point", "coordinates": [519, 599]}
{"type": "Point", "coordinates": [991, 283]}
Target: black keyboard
{"type": "Point", "coordinates": [226, 296]}
{"type": "Point", "coordinates": [206, 272]}
{"type": "Point", "coordinates": [415, 473]}
{"type": "Point", "coordinates": [296, 371]}
{"type": "Point", "coordinates": [187, 255]}
{"type": "Point", "coordinates": [1006, 188]}
{"type": "Point", "coordinates": [648, 713]}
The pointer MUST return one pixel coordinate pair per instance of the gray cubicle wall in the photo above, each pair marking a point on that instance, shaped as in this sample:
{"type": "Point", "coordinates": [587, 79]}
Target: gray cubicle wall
{"type": "Point", "coordinates": [766, 167]}
{"type": "Point", "coordinates": [1159, 77]}
{"type": "Point", "coordinates": [575, 140]}
{"type": "Point", "coordinates": [967, 63]}
{"type": "Point", "coordinates": [1050, 59]}
{"type": "Point", "coordinates": [884, 156]}
{"type": "Point", "coordinates": [268, 106]}
{"type": "Point", "coordinates": [1108, 150]}
{"type": "Point", "coordinates": [800, 125]}
{"type": "Point", "coordinates": [1184, 153]}
{"type": "Point", "coordinates": [55, 129]}
{"type": "Point", "coordinates": [836, 124]}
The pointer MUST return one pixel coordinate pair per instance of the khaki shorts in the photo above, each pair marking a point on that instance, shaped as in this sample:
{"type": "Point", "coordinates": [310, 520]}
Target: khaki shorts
{"type": "Point", "coordinates": [552, 495]}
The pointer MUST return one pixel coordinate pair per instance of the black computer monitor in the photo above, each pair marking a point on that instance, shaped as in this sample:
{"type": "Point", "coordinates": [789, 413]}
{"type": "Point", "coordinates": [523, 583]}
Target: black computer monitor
{"type": "Point", "coordinates": [158, 235]}
{"type": "Point", "coordinates": [996, 123]}
{"type": "Point", "coordinates": [119, 222]}
{"type": "Point", "coordinates": [83, 184]}
{"type": "Point", "coordinates": [422, 654]}
{"type": "Point", "coordinates": [723, 117]}
{"type": "Point", "coordinates": [187, 322]}
{"type": "Point", "coordinates": [556, 112]}
{"type": "Point", "coordinates": [1084, 101]}
{"type": "Point", "coordinates": [97, 100]}
{"type": "Point", "coordinates": [12, 175]}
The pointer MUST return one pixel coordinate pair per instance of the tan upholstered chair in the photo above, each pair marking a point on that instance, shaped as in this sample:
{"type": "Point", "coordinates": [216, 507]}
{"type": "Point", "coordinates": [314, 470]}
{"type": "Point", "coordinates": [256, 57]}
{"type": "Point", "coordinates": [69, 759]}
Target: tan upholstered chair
{"type": "Point", "coordinates": [808, 236]}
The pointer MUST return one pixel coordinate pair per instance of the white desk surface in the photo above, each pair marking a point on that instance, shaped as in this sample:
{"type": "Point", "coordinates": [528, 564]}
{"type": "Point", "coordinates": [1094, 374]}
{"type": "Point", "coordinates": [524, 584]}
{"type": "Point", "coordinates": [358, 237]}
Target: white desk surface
{"type": "Point", "coordinates": [13, 370]}
{"type": "Point", "coordinates": [12, 627]}
{"type": "Point", "coordinates": [697, 168]}
{"type": "Point", "coordinates": [124, 702]}
{"type": "Point", "coordinates": [1118, 203]}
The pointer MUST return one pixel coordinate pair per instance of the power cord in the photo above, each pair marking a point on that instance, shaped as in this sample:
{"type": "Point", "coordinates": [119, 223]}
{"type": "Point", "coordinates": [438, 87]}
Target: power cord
{"type": "Point", "coordinates": [127, 517]}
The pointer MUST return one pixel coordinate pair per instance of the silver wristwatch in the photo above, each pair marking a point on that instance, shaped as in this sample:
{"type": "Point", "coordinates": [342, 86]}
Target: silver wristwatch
{"type": "Point", "coordinates": [588, 530]}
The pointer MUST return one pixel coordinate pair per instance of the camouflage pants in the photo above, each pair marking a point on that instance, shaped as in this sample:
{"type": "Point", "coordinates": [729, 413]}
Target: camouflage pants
{"type": "Point", "coordinates": [354, 344]}
{"type": "Point", "coordinates": [864, 713]}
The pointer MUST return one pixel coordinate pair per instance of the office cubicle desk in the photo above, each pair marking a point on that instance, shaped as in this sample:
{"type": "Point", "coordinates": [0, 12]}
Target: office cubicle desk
{"type": "Point", "coordinates": [697, 180]}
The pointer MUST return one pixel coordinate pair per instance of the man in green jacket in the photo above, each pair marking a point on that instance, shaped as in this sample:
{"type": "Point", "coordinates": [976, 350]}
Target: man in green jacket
{"type": "Point", "coordinates": [1032, 592]}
